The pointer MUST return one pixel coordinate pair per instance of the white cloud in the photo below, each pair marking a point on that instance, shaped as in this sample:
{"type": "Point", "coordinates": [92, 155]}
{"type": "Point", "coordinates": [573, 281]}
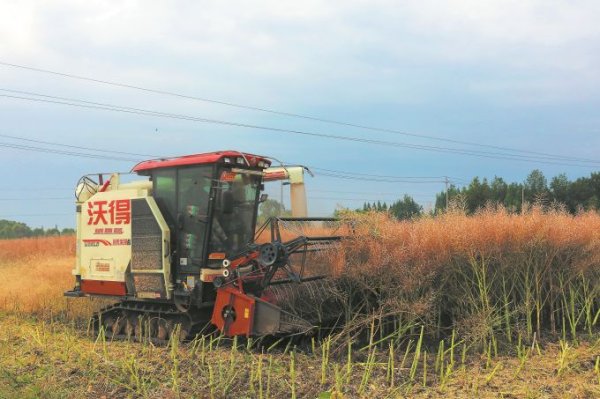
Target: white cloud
{"type": "Point", "coordinates": [18, 29]}
{"type": "Point", "coordinates": [395, 51]}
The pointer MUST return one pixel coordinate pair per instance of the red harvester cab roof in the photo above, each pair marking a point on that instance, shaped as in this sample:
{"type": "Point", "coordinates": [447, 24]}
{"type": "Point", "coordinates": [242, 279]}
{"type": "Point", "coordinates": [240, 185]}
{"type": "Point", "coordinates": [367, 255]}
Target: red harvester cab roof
{"type": "Point", "coordinates": [198, 159]}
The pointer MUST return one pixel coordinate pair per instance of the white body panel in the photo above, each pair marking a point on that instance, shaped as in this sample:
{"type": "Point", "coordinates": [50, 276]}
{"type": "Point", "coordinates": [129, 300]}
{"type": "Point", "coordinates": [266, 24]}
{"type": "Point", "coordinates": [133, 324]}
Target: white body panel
{"type": "Point", "coordinates": [104, 234]}
{"type": "Point", "coordinates": [105, 241]}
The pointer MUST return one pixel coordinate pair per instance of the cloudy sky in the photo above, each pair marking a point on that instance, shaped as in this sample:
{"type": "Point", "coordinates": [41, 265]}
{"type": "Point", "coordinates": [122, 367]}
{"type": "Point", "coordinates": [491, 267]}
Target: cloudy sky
{"type": "Point", "coordinates": [439, 79]}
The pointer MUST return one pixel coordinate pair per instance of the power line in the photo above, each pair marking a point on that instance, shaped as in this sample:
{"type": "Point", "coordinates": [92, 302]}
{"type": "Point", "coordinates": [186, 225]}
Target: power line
{"type": "Point", "coordinates": [350, 199]}
{"type": "Point", "coordinates": [117, 108]}
{"type": "Point", "coordinates": [112, 107]}
{"type": "Point", "coordinates": [393, 178]}
{"type": "Point", "coordinates": [389, 200]}
{"type": "Point", "coordinates": [70, 198]}
{"type": "Point", "coordinates": [37, 189]}
{"type": "Point", "coordinates": [399, 179]}
{"type": "Point", "coordinates": [75, 146]}
{"type": "Point", "coordinates": [130, 110]}
{"type": "Point", "coordinates": [344, 174]}
{"type": "Point", "coordinates": [376, 179]}
{"type": "Point", "coordinates": [36, 199]}
{"type": "Point", "coordinates": [60, 152]}
{"type": "Point", "coordinates": [35, 214]}
{"type": "Point", "coordinates": [371, 175]}
{"type": "Point", "coordinates": [294, 115]}
{"type": "Point", "coordinates": [364, 192]}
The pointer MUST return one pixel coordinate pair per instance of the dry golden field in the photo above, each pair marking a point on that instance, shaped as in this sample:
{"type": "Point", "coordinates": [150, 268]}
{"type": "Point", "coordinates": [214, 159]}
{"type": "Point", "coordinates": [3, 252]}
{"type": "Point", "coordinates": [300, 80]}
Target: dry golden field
{"type": "Point", "coordinates": [35, 272]}
{"type": "Point", "coordinates": [493, 305]}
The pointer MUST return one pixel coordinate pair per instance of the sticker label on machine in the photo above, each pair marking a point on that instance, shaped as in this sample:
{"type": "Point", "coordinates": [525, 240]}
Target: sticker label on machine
{"type": "Point", "coordinates": [106, 243]}
{"type": "Point", "coordinates": [106, 213]}
{"type": "Point", "coordinates": [103, 212]}
{"type": "Point", "coordinates": [101, 266]}
{"type": "Point", "coordinates": [109, 230]}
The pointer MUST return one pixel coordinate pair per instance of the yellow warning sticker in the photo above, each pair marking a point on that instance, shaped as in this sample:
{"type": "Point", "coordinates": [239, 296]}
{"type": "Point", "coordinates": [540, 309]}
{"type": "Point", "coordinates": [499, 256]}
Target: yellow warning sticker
{"type": "Point", "coordinates": [246, 313]}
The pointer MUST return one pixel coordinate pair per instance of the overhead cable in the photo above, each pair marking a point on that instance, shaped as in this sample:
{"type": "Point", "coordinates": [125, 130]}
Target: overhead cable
{"type": "Point", "coordinates": [131, 110]}
{"type": "Point", "coordinates": [294, 115]}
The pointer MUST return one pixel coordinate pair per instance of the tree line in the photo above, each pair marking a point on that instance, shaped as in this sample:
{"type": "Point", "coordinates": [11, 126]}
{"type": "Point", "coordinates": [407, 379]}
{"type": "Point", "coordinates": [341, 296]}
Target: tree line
{"type": "Point", "coordinates": [580, 194]}
{"type": "Point", "coordinates": [13, 229]}
{"type": "Point", "coordinates": [574, 195]}
{"type": "Point", "coordinates": [405, 208]}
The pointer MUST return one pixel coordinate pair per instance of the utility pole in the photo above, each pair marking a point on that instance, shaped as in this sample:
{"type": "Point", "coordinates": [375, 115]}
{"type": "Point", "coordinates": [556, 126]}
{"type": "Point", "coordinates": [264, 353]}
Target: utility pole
{"type": "Point", "coordinates": [446, 181]}
{"type": "Point", "coordinates": [281, 196]}
{"type": "Point", "coordinates": [287, 183]}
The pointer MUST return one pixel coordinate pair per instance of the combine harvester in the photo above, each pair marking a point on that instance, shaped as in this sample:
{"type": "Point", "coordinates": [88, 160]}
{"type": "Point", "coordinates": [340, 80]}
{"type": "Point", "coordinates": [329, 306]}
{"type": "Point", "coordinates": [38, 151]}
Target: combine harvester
{"type": "Point", "coordinates": [180, 249]}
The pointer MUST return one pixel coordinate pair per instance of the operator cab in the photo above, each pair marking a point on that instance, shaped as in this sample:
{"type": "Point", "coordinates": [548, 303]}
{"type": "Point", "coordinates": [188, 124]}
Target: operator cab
{"type": "Point", "coordinates": [210, 203]}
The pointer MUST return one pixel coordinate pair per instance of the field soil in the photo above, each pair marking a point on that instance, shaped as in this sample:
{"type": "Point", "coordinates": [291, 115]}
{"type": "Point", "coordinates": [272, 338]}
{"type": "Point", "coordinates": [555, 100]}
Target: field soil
{"type": "Point", "coordinates": [42, 359]}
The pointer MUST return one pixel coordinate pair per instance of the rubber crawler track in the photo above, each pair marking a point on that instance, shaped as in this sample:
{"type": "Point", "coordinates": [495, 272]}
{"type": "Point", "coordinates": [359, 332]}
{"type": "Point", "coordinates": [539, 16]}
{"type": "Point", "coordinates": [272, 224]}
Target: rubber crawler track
{"type": "Point", "coordinates": [139, 321]}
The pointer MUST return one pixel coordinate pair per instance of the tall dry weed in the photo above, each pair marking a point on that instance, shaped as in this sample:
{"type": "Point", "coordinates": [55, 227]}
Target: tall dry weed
{"type": "Point", "coordinates": [491, 273]}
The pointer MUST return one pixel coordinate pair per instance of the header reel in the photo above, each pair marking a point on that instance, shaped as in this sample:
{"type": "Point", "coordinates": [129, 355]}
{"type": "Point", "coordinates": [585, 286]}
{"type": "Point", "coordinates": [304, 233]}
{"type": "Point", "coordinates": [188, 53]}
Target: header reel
{"type": "Point", "coordinates": [244, 290]}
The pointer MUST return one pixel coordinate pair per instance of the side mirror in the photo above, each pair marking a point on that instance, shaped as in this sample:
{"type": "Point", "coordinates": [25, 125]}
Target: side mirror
{"type": "Point", "coordinates": [263, 198]}
{"type": "Point", "coordinates": [227, 202]}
